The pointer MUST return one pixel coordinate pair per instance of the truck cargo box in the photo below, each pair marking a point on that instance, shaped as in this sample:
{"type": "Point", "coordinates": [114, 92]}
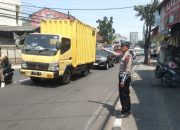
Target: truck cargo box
{"type": "Point", "coordinates": [83, 38]}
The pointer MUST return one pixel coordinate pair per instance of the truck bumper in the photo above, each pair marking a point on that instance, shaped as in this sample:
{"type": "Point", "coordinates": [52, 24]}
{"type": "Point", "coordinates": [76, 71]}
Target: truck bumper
{"type": "Point", "coordinates": [40, 74]}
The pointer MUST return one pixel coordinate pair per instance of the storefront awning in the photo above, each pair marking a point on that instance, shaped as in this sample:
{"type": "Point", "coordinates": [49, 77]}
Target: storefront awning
{"type": "Point", "coordinates": [158, 38]}
{"type": "Point", "coordinates": [173, 41]}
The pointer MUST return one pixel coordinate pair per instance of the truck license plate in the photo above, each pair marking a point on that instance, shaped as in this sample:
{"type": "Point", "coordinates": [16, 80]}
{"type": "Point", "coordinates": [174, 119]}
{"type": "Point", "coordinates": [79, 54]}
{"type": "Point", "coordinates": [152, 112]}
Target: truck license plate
{"type": "Point", "coordinates": [35, 73]}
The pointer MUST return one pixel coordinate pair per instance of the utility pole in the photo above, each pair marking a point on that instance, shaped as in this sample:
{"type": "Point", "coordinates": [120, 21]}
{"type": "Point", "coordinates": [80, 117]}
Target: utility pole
{"type": "Point", "coordinates": [68, 15]}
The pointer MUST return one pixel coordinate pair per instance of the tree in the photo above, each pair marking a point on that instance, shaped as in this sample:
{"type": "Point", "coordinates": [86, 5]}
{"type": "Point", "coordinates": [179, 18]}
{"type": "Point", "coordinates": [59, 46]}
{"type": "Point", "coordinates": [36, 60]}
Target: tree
{"type": "Point", "coordinates": [106, 30]}
{"type": "Point", "coordinates": [140, 44]}
{"type": "Point", "coordinates": [146, 14]}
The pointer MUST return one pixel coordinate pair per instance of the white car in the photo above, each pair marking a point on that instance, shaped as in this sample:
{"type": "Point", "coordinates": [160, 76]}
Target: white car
{"type": "Point", "coordinates": [137, 51]}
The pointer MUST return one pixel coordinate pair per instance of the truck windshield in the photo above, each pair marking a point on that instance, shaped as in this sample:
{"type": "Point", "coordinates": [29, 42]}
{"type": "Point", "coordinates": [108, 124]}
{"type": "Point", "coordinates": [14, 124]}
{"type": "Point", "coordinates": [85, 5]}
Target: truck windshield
{"type": "Point", "coordinates": [40, 43]}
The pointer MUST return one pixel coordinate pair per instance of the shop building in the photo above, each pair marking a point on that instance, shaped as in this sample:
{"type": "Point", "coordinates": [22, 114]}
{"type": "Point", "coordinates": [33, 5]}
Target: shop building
{"type": "Point", "coordinates": [167, 32]}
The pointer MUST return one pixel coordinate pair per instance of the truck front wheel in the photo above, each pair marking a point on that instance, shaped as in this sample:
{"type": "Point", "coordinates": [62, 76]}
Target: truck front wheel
{"type": "Point", "coordinates": [67, 76]}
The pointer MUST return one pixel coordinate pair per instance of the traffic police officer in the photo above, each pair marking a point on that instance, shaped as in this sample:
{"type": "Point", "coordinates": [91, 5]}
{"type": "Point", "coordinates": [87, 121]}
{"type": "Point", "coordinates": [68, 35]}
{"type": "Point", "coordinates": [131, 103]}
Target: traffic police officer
{"type": "Point", "coordinates": [125, 79]}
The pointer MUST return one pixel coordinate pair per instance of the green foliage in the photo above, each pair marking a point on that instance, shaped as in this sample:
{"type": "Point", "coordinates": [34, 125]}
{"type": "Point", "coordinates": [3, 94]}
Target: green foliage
{"type": "Point", "coordinates": [140, 44]}
{"type": "Point", "coordinates": [106, 30]}
{"type": "Point", "coordinates": [146, 14]}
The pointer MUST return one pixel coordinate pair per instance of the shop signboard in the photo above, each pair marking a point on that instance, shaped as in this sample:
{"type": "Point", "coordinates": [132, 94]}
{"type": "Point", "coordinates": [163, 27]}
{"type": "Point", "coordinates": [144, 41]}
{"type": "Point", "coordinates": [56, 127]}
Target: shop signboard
{"type": "Point", "coordinates": [172, 13]}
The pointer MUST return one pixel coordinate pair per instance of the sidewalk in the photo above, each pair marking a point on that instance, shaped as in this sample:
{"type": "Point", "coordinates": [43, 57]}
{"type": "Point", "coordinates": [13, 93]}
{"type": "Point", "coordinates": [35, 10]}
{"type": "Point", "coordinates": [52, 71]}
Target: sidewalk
{"type": "Point", "coordinates": [143, 100]}
{"type": "Point", "coordinates": [154, 107]}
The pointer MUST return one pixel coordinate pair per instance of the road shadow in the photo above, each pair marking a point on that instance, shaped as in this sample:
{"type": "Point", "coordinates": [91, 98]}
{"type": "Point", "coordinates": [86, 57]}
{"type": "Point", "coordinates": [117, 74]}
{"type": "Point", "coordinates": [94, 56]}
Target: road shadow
{"type": "Point", "coordinates": [100, 68]}
{"type": "Point", "coordinates": [78, 76]}
{"type": "Point", "coordinates": [109, 107]}
{"type": "Point", "coordinates": [44, 83]}
{"type": "Point", "coordinates": [52, 83]}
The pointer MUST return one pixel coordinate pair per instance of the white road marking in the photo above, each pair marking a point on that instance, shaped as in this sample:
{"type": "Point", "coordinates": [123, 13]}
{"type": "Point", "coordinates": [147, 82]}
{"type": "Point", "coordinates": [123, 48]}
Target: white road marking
{"type": "Point", "coordinates": [15, 82]}
{"type": "Point", "coordinates": [118, 121]}
{"type": "Point", "coordinates": [22, 80]}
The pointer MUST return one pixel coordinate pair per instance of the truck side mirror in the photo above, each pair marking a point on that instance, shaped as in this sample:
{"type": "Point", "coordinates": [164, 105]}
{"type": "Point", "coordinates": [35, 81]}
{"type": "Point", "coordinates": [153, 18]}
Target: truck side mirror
{"type": "Point", "coordinates": [58, 45]}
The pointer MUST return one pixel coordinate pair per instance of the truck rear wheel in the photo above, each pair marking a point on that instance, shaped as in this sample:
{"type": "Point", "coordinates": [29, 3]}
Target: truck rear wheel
{"type": "Point", "coordinates": [35, 79]}
{"type": "Point", "coordinates": [86, 71]}
{"type": "Point", "coordinates": [67, 76]}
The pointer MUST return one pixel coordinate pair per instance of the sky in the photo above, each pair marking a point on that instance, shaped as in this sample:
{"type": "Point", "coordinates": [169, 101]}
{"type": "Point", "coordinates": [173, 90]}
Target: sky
{"type": "Point", "coordinates": [124, 20]}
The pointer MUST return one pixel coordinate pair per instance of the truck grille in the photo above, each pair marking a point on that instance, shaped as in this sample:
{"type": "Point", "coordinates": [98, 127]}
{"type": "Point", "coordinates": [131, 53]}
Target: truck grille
{"type": "Point", "coordinates": [37, 66]}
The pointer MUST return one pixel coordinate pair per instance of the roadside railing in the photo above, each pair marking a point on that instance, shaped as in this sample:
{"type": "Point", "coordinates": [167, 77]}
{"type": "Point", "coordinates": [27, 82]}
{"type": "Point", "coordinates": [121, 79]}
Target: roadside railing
{"type": "Point", "coordinates": [13, 53]}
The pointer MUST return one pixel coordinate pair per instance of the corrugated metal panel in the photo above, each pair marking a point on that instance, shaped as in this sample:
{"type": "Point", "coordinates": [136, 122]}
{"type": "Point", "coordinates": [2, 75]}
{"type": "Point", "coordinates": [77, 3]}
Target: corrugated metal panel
{"type": "Point", "coordinates": [83, 38]}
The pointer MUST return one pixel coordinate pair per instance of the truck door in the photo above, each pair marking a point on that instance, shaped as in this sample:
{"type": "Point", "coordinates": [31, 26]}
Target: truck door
{"type": "Point", "coordinates": [66, 53]}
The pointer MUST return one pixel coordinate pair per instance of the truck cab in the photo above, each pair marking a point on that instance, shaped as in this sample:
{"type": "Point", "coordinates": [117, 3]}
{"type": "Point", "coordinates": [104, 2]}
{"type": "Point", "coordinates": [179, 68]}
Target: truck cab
{"type": "Point", "coordinates": [45, 56]}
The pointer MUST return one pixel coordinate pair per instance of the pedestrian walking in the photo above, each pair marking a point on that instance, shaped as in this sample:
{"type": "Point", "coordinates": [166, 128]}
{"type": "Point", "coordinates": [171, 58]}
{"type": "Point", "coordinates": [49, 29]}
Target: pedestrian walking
{"type": "Point", "coordinates": [125, 79]}
{"type": "Point", "coordinates": [1, 70]}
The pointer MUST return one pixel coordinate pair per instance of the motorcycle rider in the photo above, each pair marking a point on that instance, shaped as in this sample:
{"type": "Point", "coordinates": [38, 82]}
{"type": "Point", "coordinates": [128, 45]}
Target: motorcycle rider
{"type": "Point", "coordinates": [1, 69]}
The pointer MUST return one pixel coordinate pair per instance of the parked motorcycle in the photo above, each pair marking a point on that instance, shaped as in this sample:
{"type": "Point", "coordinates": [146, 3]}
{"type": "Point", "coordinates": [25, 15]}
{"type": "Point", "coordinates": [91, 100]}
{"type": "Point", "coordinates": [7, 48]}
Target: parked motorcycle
{"type": "Point", "coordinates": [169, 76]}
{"type": "Point", "coordinates": [7, 70]}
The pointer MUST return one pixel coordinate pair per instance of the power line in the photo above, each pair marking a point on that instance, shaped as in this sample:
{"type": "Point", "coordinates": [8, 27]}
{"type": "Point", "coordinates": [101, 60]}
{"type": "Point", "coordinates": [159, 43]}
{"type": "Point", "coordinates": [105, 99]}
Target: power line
{"type": "Point", "coordinates": [85, 9]}
{"type": "Point", "coordinates": [7, 3]}
{"type": "Point", "coordinates": [97, 8]}
{"type": "Point", "coordinates": [15, 17]}
{"type": "Point", "coordinates": [22, 13]}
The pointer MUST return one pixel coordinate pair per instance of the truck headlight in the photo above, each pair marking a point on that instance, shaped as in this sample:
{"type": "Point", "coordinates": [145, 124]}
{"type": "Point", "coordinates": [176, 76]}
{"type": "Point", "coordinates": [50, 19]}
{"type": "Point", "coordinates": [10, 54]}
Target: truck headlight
{"type": "Point", "coordinates": [23, 64]}
{"type": "Point", "coordinates": [53, 67]}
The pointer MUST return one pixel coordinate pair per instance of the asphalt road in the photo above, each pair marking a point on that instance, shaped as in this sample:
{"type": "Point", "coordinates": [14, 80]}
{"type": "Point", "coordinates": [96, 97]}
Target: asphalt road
{"type": "Point", "coordinates": [49, 105]}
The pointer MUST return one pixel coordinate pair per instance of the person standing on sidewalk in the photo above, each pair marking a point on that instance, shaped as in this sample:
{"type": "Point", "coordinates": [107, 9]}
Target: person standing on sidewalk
{"type": "Point", "coordinates": [125, 79]}
{"type": "Point", "coordinates": [1, 69]}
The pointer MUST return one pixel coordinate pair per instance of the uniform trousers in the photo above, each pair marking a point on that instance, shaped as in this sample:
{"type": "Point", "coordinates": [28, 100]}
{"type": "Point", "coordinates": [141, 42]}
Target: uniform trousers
{"type": "Point", "coordinates": [124, 94]}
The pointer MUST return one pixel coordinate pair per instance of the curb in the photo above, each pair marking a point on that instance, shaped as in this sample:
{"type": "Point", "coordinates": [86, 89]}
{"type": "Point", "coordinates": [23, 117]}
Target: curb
{"type": "Point", "coordinates": [99, 121]}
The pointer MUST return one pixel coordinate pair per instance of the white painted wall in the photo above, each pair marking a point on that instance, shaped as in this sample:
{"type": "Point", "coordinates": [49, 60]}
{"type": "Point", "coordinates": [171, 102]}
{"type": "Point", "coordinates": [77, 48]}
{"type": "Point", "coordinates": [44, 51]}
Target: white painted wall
{"type": "Point", "coordinates": [10, 6]}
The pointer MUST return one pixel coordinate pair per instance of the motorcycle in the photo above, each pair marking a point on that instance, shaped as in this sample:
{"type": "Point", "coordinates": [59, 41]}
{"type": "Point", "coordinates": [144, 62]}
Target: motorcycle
{"type": "Point", "coordinates": [169, 76]}
{"type": "Point", "coordinates": [7, 70]}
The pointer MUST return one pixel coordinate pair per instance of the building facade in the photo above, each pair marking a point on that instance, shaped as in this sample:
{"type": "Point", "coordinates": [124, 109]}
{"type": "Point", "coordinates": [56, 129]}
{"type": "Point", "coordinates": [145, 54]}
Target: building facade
{"type": "Point", "coordinates": [134, 37]}
{"type": "Point", "coordinates": [10, 13]}
{"type": "Point", "coordinates": [119, 38]}
{"type": "Point", "coordinates": [169, 32]}
{"type": "Point", "coordinates": [47, 13]}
